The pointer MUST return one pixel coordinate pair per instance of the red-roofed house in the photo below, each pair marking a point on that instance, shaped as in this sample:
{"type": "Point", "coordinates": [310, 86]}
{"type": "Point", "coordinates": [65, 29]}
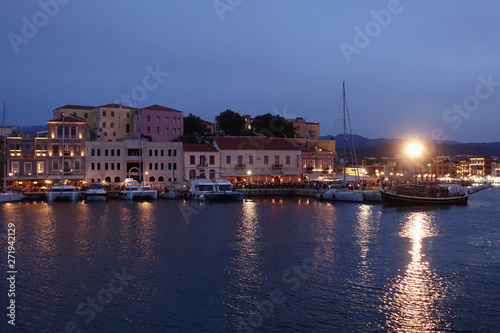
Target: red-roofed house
{"type": "Point", "coordinates": [160, 122]}
{"type": "Point", "coordinates": [201, 160]}
{"type": "Point", "coordinates": [258, 159]}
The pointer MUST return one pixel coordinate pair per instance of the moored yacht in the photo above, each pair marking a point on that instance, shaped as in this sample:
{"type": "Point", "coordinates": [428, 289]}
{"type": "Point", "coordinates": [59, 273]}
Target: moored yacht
{"type": "Point", "coordinates": [63, 193]}
{"type": "Point", "coordinates": [96, 192]}
{"type": "Point", "coordinates": [213, 190]}
{"type": "Point", "coordinates": [11, 196]}
{"type": "Point", "coordinates": [428, 193]}
{"type": "Point", "coordinates": [133, 190]}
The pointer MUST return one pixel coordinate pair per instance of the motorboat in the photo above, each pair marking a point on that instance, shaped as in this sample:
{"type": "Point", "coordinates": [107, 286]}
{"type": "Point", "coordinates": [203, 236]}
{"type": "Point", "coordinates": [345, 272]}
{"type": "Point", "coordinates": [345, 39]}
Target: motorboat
{"type": "Point", "coordinates": [213, 190]}
{"type": "Point", "coordinates": [133, 190]}
{"type": "Point", "coordinates": [11, 196]}
{"type": "Point", "coordinates": [341, 194]}
{"type": "Point", "coordinates": [63, 192]}
{"type": "Point", "coordinates": [96, 192]}
{"type": "Point", "coordinates": [428, 193]}
{"type": "Point", "coordinates": [170, 193]}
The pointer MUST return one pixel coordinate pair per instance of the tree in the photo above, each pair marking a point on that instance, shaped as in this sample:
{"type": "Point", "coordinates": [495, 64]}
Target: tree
{"type": "Point", "coordinates": [273, 126]}
{"type": "Point", "coordinates": [193, 126]}
{"type": "Point", "coordinates": [230, 123]}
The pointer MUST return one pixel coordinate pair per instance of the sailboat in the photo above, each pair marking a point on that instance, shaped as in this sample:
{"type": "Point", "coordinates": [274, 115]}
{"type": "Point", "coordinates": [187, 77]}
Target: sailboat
{"type": "Point", "coordinates": [63, 192]}
{"type": "Point", "coordinates": [7, 195]}
{"type": "Point", "coordinates": [344, 193]}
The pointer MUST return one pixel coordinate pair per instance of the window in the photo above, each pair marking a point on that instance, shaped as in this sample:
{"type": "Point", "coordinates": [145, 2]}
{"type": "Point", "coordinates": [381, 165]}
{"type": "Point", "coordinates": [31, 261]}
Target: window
{"type": "Point", "coordinates": [117, 166]}
{"type": "Point", "coordinates": [240, 160]}
{"type": "Point", "coordinates": [203, 161]}
{"type": "Point", "coordinates": [212, 159]}
{"type": "Point", "coordinates": [266, 159]}
{"type": "Point", "coordinates": [59, 132]}
{"type": "Point", "coordinates": [27, 169]}
{"type": "Point", "coordinates": [150, 152]}
{"type": "Point", "coordinates": [114, 133]}
{"type": "Point", "coordinates": [228, 159]}
{"type": "Point", "coordinates": [40, 168]}
{"type": "Point", "coordinates": [86, 115]}
{"type": "Point", "coordinates": [166, 130]}
{"type": "Point", "coordinates": [98, 152]}
{"type": "Point", "coordinates": [157, 119]}
{"type": "Point", "coordinates": [77, 149]}
{"type": "Point", "coordinates": [73, 132]}
{"type": "Point", "coordinates": [98, 166]}
{"type": "Point", "coordinates": [67, 167]}
{"type": "Point", "coordinates": [105, 152]}
{"type": "Point", "coordinates": [55, 166]}
{"type": "Point", "coordinates": [149, 118]}
{"type": "Point", "coordinates": [157, 130]}
{"type": "Point", "coordinates": [112, 166]}
{"type": "Point", "coordinates": [149, 129]}
{"type": "Point", "coordinates": [66, 150]}
{"type": "Point", "coordinates": [170, 152]}
{"type": "Point", "coordinates": [112, 152]}
{"type": "Point", "coordinates": [112, 113]}
{"type": "Point", "coordinates": [77, 166]}
{"type": "Point", "coordinates": [112, 125]}
{"type": "Point", "coordinates": [92, 166]}
{"type": "Point", "coordinates": [161, 179]}
{"type": "Point", "coordinates": [156, 166]}
{"type": "Point", "coordinates": [150, 166]}
{"type": "Point", "coordinates": [166, 120]}
{"type": "Point", "coordinates": [250, 159]}
{"type": "Point", "coordinates": [117, 179]}
{"type": "Point", "coordinates": [162, 152]}
{"type": "Point", "coordinates": [118, 152]}
{"type": "Point", "coordinates": [276, 160]}
{"type": "Point", "coordinates": [104, 113]}
{"type": "Point", "coordinates": [92, 152]}
{"type": "Point", "coordinates": [106, 166]}
{"type": "Point", "coordinates": [127, 128]}
{"type": "Point", "coordinates": [288, 160]}
{"type": "Point", "coordinates": [156, 152]}
{"type": "Point", "coordinates": [55, 149]}
{"type": "Point", "coordinates": [66, 131]}
{"type": "Point", "coordinates": [192, 159]}
{"type": "Point", "coordinates": [175, 166]}
{"type": "Point", "coordinates": [175, 152]}
{"type": "Point", "coordinates": [103, 125]}
{"type": "Point", "coordinates": [192, 174]}
{"type": "Point", "coordinates": [107, 179]}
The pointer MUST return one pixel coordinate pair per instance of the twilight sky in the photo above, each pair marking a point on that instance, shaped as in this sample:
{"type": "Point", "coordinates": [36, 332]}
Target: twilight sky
{"type": "Point", "coordinates": [412, 68]}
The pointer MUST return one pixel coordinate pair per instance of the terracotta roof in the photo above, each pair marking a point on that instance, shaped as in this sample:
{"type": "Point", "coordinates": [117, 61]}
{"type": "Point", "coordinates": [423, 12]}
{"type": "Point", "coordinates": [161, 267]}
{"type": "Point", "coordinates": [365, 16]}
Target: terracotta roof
{"type": "Point", "coordinates": [198, 147]}
{"type": "Point", "coordinates": [206, 122]}
{"type": "Point", "coordinates": [115, 106]}
{"type": "Point", "coordinates": [160, 108]}
{"type": "Point", "coordinates": [254, 143]}
{"type": "Point", "coordinates": [67, 119]}
{"type": "Point", "coordinates": [76, 107]}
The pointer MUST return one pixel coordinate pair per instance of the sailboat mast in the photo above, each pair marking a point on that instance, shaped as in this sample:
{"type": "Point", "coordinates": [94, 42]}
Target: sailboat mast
{"type": "Point", "coordinates": [344, 182]}
{"type": "Point", "coordinates": [140, 146]}
{"type": "Point", "coordinates": [62, 150]}
{"type": "Point", "coordinates": [4, 149]}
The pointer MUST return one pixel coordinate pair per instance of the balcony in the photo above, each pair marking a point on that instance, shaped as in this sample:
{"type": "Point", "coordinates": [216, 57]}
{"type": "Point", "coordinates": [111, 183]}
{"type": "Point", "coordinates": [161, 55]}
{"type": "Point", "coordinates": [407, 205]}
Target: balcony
{"type": "Point", "coordinates": [277, 166]}
{"type": "Point", "coordinates": [240, 166]}
{"type": "Point", "coordinates": [202, 165]}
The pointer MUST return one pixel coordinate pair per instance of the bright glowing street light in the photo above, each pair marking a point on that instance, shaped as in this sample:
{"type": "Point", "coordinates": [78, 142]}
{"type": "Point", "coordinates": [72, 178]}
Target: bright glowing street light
{"type": "Point", "coordinates": [414, 149]}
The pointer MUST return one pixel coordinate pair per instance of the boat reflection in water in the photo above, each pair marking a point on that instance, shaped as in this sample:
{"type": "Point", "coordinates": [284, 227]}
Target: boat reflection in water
{"type": "Point", "coordinates": [413, 303]}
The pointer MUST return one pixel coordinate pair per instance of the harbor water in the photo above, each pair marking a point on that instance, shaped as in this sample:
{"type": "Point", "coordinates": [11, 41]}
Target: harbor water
{"type": "Point", "coordinates": [263, 265]}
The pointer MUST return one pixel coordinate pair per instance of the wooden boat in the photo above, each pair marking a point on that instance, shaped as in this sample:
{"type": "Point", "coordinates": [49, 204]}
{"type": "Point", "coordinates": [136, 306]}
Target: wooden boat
{"type": "Point", "coordinates": [426, 194]}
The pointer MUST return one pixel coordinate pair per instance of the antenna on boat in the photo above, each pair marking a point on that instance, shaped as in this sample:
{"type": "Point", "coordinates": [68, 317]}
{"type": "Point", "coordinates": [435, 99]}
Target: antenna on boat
{"type": "Point", "coordinates": [62, 155]}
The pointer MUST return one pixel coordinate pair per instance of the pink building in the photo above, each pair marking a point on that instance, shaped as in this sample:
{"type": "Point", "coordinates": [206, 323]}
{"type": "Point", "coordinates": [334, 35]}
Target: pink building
{"type": "Point", "coordinates": [159, 122]}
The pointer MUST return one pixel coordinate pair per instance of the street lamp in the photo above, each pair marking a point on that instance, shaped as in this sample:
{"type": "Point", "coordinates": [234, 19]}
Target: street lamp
{"type": "Point", "coordinates": [249, 173]}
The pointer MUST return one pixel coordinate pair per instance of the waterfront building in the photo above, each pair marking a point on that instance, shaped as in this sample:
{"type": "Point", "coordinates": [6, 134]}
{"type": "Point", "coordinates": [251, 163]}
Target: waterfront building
{"type": "Point", "coordinates": [80, 111]}
{"type": "Point", "coordinates": [112, 122]}
{"type": "Point", "coordinates": [112, 162]}
{"type": "Point", "coordinates": [258, 159]}
{"type": "Point", "coordinates": [201, 160]}
{"type": "Point", "coordinates": [305, 129]}
{"type": "Point", "coordinates": [159, 122]}
{"type": "Point", "coordinates": [210, 126]}
{"type": "Point", "coordinates": [317, 157]}
{"type": "Point", "coordinates": [480, 166]}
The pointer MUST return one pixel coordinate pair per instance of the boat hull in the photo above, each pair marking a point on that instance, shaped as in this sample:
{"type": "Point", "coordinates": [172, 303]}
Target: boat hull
{"type": "Point", "coordinates": [63, 196]}
{"type": "Point", "coordinates": [95, 196]}
{"type": "Point", "coordinates": [216, 197]}
{"type": "Point", "coordinates": [139, 195]}
{"type": "Point", "coordinates": [399, 199]}
{"type": "Point", "coordinates": [11, 197]}
{"type": "Point", "coordinates": [341, 195]}
{"type": "Point", "coordinates": [172, 194]}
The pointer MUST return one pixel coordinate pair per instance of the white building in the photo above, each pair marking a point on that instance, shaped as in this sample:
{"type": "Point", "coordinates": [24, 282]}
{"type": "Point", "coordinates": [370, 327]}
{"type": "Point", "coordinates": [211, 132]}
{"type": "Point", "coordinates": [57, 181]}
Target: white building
{"type": "Point", "coordinates": [113, 161]}
{"type": "Point", "coordinates": [201, 161]}
{"type": "Point", "coordinates": [259, 159]}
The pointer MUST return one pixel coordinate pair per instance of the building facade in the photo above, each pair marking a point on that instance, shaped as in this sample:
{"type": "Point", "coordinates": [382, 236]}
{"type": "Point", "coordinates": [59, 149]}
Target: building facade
{"type": "Point", "coordinates": [112, 162]}
{"type": "Point", "coordinates": [112, 122]}
{"type": "Point", "coordinates": [159, 122]}
{"type": "Point", "coordinates": [258, 159]}
{"type": "Point", "coordinates": [201, 161]}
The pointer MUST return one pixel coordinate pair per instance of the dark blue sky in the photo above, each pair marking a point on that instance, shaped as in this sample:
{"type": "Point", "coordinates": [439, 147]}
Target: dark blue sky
{"type": "Point", "coordinates": [412, 68]}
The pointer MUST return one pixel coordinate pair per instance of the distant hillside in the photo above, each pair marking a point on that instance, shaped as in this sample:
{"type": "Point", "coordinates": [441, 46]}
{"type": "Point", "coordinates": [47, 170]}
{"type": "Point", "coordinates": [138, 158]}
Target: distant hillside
{"type": "Point", "coordinates": [30, 129]}
{"type": "Point", "coordinates": [390, 147]}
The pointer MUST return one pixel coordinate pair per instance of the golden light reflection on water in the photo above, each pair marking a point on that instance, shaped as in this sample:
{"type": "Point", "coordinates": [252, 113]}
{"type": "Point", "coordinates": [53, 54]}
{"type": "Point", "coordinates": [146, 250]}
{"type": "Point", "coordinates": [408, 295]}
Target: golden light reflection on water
{"type": "Point", "coordinates": [365, 229]}
{"type": "Point", "coordinates": [413, 301]}
{"type": "Point", "coordinates": [247, 246]}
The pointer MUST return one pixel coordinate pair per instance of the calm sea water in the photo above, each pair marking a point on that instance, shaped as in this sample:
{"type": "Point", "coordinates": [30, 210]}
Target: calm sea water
{"type": "Point", "coordinates": [279, 265]}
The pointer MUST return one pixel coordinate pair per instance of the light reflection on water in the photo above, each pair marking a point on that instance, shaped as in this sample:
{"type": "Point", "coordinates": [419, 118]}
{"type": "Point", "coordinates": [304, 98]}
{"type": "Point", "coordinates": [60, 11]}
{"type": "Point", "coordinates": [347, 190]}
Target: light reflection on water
{"type": "Point", "coordinates": [413, 302]}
